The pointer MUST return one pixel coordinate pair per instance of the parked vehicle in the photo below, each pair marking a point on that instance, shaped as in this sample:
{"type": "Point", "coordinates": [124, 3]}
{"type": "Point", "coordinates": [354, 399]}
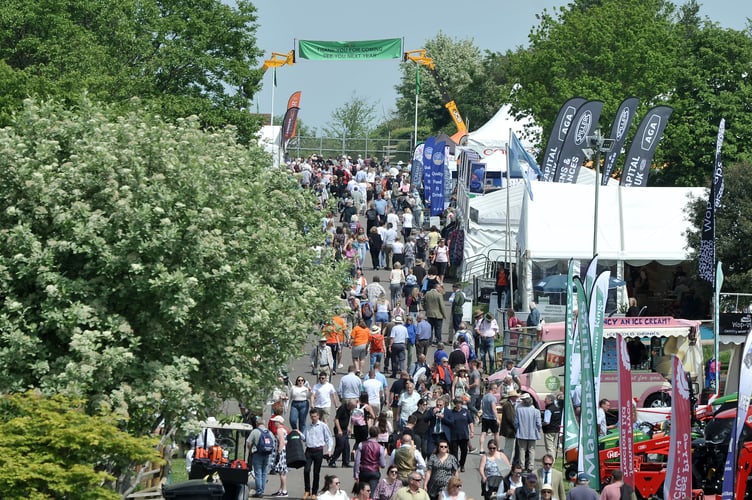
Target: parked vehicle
{"type": "Point", "coordinates": [651, 340]}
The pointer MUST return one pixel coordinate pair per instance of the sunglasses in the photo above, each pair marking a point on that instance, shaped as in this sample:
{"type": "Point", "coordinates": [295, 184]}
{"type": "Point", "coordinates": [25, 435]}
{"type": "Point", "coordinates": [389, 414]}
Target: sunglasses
{"type": "Point", "coordinates": [392, 472]}
{"type": "Point", "coordinates": [492, 447]}
{"type": "Point", "coordinates": [547, 463]}
{"type": "Point", "coordinates": [443, 446]}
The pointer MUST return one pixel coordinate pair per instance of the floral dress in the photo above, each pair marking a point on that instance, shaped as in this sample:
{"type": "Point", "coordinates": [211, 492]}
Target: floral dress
{"type": "Point", "coordinates": [441, 473]}
{"type": "Point", "coordinates": [280, 464]}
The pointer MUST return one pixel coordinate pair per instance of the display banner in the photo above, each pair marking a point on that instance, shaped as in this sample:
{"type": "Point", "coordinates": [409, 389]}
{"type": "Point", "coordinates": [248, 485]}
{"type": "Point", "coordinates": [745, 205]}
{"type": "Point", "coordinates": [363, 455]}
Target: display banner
{"type": "Point", "coordinates": [438, 179]}
{"type": "Point", "coordinates": [588, 461]}
{"type": "Point", "coordinates": [558, 133]}
{"type": "Point", "coordinates": [678, 482]}
{"type": "Point", "coordinates": [516, 154]}
{"type": "Point", "coordinates": [318, 50]}
{"type": "Point", "coordinates": [416, 169]}
{"type": "Point", "coordinates": [290, 121]}
{"type": "Point", "coordinates": [737, 324]}
{"type": "Point", "coordinates": [596, 315]}
{"type": "Point", "coordinates": [619, 131]}
{"type": "Point", "coordinates": [626, 417]}
{"type": "Point", "coordinates": [644, 143]}
{"type": "Point", "coordinates": [427, 168]}
{"type": "Point", "coordinates": [742, 406]}
{"type": "Point", "coordinates": [707, 240]}
{"type": "Point", "coordinates": [572, 155]}
{"type": "Point", "coordinates": [569, 422]}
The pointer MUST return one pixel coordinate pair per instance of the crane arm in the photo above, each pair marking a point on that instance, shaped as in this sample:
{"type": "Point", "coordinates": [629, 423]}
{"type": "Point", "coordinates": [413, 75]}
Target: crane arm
{"type": "Point", "coordinates": [419, 57]}
{"type": "Point", "coordinates": [279, 59]}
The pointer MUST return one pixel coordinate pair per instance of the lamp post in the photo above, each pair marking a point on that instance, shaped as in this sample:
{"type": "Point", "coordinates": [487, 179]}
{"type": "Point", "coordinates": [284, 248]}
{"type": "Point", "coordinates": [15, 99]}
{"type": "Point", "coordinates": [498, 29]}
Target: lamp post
{"type": "Point", "coordinates": [597, 144]}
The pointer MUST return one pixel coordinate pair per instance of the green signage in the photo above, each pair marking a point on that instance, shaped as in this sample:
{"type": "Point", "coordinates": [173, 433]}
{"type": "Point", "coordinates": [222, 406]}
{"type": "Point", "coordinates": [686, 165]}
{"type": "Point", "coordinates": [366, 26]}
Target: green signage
{"type": "Point", "coordinates": [390, 48]}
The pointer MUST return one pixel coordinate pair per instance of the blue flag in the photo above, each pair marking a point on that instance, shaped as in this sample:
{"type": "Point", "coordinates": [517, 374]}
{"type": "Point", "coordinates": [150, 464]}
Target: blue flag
{"type": "Point", "coordinates": [517, 154]}
{"type": "Point", "coordinates": [438, 179]}
{"type": "Point", "coordinates": [427, 168]}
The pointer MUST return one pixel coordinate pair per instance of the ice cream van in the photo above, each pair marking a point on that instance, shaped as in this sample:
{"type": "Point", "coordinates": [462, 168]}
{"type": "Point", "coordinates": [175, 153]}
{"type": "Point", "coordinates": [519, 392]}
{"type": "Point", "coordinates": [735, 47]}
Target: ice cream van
{"type": "Point", "coordinates": [650, 342]}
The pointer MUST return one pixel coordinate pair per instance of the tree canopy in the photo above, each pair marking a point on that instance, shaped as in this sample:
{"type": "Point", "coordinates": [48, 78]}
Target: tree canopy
{"type": "Point", "coordinates": [52, 448]}
{"type": "Point", "coordinates": [182, 57]}
{"type": "Point", "coordinates": [459, 65]}
{"type": "Point", "coordinates": [152, 269]}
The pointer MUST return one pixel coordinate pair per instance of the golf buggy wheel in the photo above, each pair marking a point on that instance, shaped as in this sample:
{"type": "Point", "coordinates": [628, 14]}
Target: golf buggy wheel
{"type": "Point", "coordinates": [242, 492]}
{"type": "Point", "coordinates": [571, 472]}
{"type": "Point", "coordinates": [658, 400]}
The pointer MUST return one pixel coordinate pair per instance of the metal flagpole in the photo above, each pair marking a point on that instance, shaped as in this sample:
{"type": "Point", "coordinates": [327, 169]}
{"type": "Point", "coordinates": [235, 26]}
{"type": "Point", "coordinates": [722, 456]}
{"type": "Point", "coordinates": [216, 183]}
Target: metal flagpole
{"type": "Point", "coordinates": [507, 250]}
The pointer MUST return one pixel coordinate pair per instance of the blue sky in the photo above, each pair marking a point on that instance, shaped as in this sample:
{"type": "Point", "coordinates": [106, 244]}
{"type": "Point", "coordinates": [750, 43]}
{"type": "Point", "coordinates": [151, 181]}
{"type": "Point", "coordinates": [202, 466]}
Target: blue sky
{"type": "Point", "coordinates": [495, 25]}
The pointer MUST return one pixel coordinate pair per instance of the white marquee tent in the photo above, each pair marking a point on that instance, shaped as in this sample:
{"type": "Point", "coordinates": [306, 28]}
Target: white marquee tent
{"type": "Point", "coordinates": [636, 225]}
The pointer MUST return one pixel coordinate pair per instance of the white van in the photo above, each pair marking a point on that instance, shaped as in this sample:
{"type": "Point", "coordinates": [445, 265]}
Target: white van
{"type": "Point", "coordinates": [651, 340]}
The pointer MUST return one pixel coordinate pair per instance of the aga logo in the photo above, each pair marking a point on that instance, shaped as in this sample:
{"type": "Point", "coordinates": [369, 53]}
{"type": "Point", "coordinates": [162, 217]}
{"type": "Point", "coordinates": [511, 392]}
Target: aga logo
{"type": "Point", "coordinates": [583, 127]}
{"type": "Point", "coordinates": [650, 133]}
{"type": "Point", "coordinates": [566, 122]}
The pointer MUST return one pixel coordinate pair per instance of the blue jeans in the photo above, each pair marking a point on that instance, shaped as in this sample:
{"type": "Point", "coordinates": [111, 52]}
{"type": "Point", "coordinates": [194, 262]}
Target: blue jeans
{"type": "Point", "coordinates": [260, 463]}
{"type": "Point", "coordinates": [298, 413]}
{"type": "Point", "coordinates": [487, 348]}
{"type": "Point", "coordinates": [376, 357]}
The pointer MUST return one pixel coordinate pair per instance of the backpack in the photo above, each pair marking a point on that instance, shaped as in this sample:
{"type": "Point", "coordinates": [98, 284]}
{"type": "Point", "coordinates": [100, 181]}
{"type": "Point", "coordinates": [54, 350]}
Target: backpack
{"type": "Point", "coordinates": [372, 214]}
{"type": "Point", "coordinates": [358, 416]}
{"type": "Point", "coordinates": [421, 243]}
{"type": "Point", "coordinates": [265, 443]}
{"type": "Point", "coordinates": [471, 352]}
{"type": "Point", "coordinates": [366, 310]}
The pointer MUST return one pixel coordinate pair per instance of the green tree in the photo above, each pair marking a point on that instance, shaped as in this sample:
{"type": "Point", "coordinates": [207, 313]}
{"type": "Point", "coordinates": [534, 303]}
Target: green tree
{"type": "Point", "coordinates": [182, 57]}
{"type": "Point", "coordinates": [152, 269]}
{"type": "Point", "coordinates": [612, 49]}
{"type": "Point", "coordinates": [605, 50]}
{"type": "Point", "coordinates": [353, 119]}
{"type": "Point", "coordinates": [733, 227]}
{"type": "Point", "coordinates": [52, 448]}
{"type": "Point", "coordinates": [459, 65]}
{"type": "Point", "coordinates": [713, 82]}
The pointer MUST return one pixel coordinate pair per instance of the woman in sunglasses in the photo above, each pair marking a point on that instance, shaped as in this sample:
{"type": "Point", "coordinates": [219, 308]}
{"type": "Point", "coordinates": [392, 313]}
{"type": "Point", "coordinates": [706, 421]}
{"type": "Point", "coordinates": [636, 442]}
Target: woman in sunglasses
{"type": "Point", "coordinates": [300, 396]}
{"type": "Point", "coordinates": [494, 466]}
{"type": "Point", "coordinates": [332, 489]}
{"type": "Point", "coordinates": [440, 468]}
{"type": "Point", "coordinates": [388, 485]}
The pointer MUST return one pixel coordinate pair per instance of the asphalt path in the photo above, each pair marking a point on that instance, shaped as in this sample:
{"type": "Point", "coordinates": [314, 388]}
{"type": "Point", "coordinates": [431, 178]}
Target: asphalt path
{"type": "Point", "coordinates": [301, 366]}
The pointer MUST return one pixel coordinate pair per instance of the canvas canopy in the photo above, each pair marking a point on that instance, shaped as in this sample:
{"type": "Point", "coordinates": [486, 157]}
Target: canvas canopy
{"type": "Point", "coordinates": [494, 134]}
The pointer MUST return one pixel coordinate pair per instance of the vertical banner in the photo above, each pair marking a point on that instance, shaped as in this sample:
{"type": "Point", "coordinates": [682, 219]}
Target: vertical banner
{"type": "Point", "coordinates": [449, 182]}
{"type": "Point", "coordinates": [569, 422]}
{"type": "Point", "coordinates": [742, 406]}
{"type": "Point", "coordinates": [588, 453]}
{"type": "Point", "coordinates": [626, 417]}
{"type": "Point", "coordinates": [572, 156]}
{"type": "Point", "coordinates": [427, 168]}
{"type": "Point", "coordinates": [516, 155]}
{"type": "Point", "coordinates": [437, 179]}
{"type": "Point", "coordinates": [416, 170]}
{"type": "Point", "coordinates": [678, 483]}
{"type": "Point", "coordinates": [644, 143]}
{"type": "Point", "coordinates": [597, 311]}
{"type": "Point", "coordinates": [707, 241]}
{"type": "Point", "coordinates": [556, 139]}
{"type": "Point", "coordinates": [619, 130]}
{"type": "Point", "coordinates": [290, 121]}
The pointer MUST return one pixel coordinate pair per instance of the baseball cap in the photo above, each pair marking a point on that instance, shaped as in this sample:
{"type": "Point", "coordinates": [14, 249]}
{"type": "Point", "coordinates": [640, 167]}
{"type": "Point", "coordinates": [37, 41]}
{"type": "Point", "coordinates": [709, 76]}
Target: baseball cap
{"type": "Point", "coordinates": [583, 477]}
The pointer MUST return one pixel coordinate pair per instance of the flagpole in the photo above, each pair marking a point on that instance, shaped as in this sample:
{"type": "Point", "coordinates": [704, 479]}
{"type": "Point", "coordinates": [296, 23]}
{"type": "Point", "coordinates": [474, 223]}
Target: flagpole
{"type": "Point", "coordinates": [507, 260]}
{"type": "Point", "coordinates": [271, 118]}
{"type": "Point", "coordinates": [415, 125]}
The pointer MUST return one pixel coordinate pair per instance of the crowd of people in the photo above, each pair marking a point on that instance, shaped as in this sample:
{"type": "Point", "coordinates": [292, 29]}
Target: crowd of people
{"type": "Point", "coordinates": [419, 428]}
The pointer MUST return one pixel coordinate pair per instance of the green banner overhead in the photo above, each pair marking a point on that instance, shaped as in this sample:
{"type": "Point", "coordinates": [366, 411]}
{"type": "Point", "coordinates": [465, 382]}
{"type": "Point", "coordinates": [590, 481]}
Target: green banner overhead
{"type": "Point", "coordinates": [389, 48]}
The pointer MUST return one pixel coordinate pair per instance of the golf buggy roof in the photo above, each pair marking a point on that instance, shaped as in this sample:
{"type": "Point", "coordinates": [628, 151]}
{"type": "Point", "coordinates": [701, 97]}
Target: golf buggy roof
{"type": "Point", "coordinates": [231, 426]}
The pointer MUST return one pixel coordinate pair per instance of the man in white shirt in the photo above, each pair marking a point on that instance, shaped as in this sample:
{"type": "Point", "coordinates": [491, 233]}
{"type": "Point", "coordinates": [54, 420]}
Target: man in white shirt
{"type": "Point", "coordinates": [388, 237]}
{"type": "Point", "coordinates": [487, 329]}
{"type": "Point", "coordinates": [375, 390]}
{"type": "Point", "coordinates": [399, 345]}
{"type": "Point", "coordinates": [324, 397]}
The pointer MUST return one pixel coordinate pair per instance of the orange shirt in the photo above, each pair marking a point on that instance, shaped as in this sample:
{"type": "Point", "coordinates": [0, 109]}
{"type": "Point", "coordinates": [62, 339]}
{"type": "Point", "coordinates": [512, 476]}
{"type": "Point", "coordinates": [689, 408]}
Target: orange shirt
{"type": "Point", "coordinates": [360, 335]}
{"type": "Point", "coordinates": [335, 331]}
